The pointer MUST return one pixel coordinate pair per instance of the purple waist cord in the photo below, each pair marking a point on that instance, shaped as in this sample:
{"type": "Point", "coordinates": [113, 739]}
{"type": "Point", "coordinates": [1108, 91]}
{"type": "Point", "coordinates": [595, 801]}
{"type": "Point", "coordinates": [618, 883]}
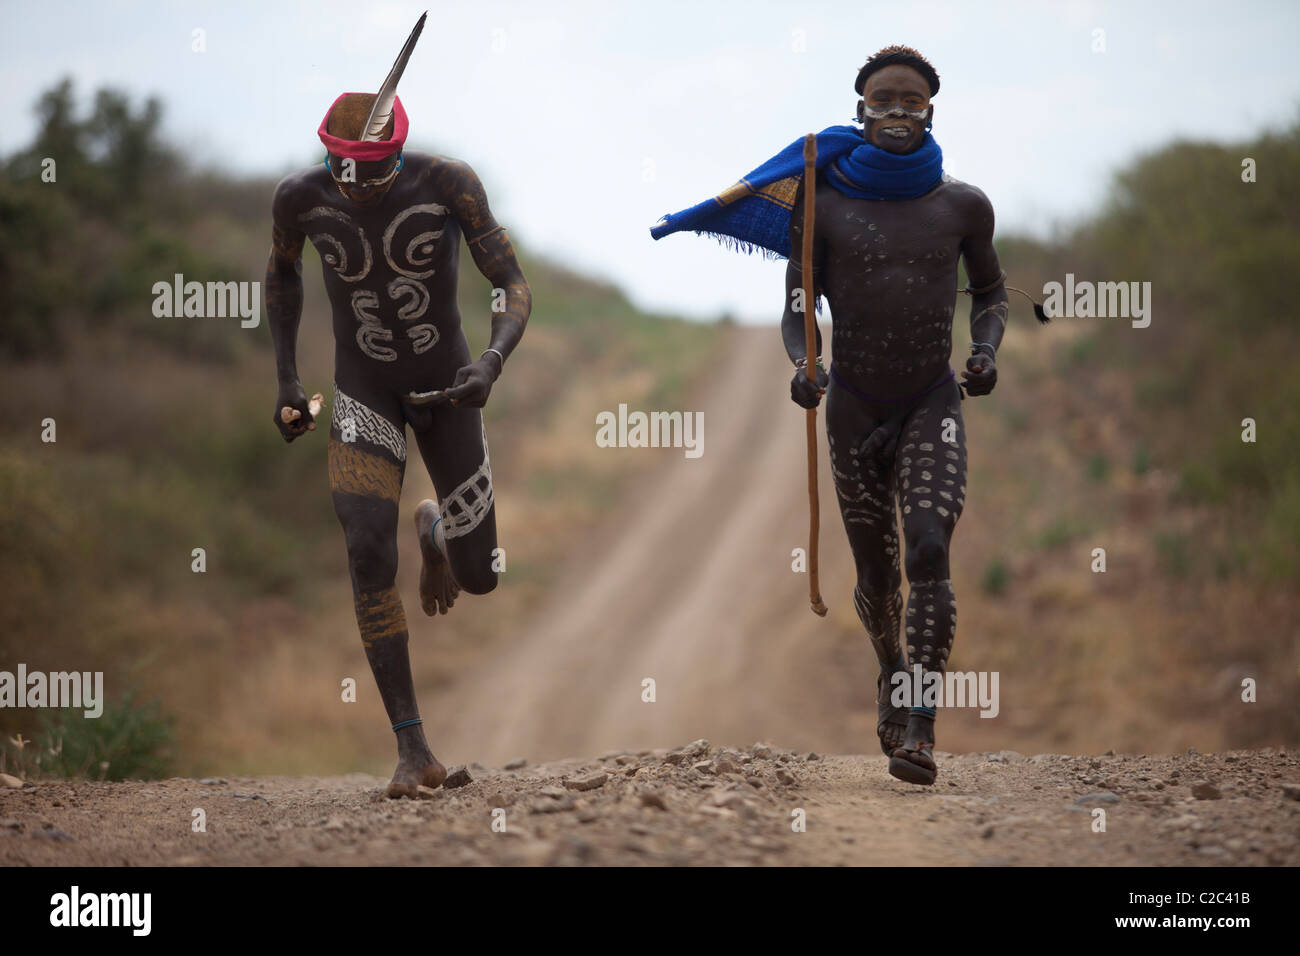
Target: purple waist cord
{"type": "Point", "coordinates": [892, 401]}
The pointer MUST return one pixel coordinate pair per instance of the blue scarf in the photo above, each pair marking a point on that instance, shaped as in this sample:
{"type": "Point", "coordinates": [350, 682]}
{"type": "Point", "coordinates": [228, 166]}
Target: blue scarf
{"type": "Point", "coordinates": [755, 212]}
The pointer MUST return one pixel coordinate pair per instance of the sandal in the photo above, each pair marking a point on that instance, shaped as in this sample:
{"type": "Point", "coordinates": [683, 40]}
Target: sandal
{"type": "Point", "coordinates": [914, 761]}
{"type": "Point", "coordinates": [891, 721]}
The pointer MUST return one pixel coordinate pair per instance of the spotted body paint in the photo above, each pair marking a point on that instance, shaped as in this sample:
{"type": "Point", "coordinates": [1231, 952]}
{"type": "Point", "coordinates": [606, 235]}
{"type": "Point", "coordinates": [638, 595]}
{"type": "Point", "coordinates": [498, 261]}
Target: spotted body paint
{"type": "Point", "coordinates": [925, 479]}
{"type": "Point", "coordinates": [888, 270]}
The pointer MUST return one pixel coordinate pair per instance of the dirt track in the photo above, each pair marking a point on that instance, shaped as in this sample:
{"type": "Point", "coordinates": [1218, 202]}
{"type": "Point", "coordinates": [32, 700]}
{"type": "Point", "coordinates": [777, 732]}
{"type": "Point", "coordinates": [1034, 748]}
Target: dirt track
{"type": "Point", "coordinates": [712, 807]}
{"type": "Point", "coordinates": [690, 585]}
{"type": "Point", "coordinates": [691, 588]}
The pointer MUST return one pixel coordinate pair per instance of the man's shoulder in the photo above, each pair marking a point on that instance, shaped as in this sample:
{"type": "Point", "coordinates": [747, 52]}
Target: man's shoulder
{"type": "Point", "coordinates": [967, 197]}
{"type": "Point", "coordinates": [442, 170]}
{"type": "Point", "coordinates": [301, 188]}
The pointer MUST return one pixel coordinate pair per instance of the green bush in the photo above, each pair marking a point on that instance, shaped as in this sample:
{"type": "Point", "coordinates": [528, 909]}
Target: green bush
{"type": "Point", "coordinates": [1061, 532]}
{"type": "Point", "coordinates": [995, 578]}
{"type": "Point", "coordinates": [1098, 468]}
{"type": "Point", "coordinates": [1174, 553]}
{"type": "Point", "coordinates": [128, 741]}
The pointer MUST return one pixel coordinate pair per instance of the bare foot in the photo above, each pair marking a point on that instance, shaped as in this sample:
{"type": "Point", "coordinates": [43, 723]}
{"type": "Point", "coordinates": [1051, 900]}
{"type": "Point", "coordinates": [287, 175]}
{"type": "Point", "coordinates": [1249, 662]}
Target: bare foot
{"type": "Point", "coordinates": [413, 773]}
{"type": "Point", "coordinates": [438, 589]}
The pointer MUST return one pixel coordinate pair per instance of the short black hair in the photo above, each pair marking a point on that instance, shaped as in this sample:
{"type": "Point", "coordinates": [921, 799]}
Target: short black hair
{"type": "Point", "coordinates": [902, 55]}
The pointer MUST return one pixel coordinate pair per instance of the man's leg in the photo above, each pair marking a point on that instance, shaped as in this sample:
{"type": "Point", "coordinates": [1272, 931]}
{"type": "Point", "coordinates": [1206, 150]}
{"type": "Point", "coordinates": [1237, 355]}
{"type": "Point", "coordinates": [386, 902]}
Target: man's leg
{"type": "Point", "coordinates": [931, 468]}
{"type": "Point", "coordinates": [367, 457]}
{"type": "Point", "coordinates": [864, 486]}
{"type": "Point", "coordinates": [459, 533]}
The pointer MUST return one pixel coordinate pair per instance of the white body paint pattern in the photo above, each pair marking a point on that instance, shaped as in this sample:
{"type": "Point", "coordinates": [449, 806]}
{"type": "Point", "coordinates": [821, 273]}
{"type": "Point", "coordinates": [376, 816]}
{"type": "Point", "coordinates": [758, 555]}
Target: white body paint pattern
{"type": "Point", "coordinates": [425, 336]}
{"type": "Point", "coordinates": [331, 248]}
{"type": "Point", "coordinates": [370, 426]}
{"type": "Point", "coordinates": [883, 620]}
{"type": "Point", "coordinates": [419, 296]}
{"type": "Point", "coordinates": [465, 508]}
{"type": "Point", "coordinates": [866, 492]}
{"type": "Point", "coordinates": [408, 261]}
{"type": "Point", "coordinates": [365, 305]}
{"type": "Point", "coordinates": [931, 477]}
{"type": "Point", "coordinates": [419, 249]}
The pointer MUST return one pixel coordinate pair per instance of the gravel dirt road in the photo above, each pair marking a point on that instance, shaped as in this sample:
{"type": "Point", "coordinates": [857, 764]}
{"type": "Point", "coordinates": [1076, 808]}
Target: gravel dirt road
{"type": "Point", "coordinates": [695, 805]}
{"type": "Point", "coordinates": [690, 585]}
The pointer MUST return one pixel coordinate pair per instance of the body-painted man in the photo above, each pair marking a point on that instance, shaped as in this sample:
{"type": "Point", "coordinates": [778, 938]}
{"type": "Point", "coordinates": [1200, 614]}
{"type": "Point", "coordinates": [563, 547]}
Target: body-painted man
{"type": "Point", "coordinates": [387, 223]}
{"type": "Point", "coordinates": [890, 227]}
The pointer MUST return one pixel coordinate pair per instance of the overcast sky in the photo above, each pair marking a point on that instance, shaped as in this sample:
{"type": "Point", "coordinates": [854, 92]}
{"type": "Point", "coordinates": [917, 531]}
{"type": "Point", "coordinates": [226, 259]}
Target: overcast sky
{"type": "Point", "coordinates": [587, 121]}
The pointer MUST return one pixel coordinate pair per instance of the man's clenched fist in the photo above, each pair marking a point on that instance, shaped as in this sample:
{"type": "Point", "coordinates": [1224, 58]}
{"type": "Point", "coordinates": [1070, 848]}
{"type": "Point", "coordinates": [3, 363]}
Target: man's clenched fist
{"type": "Point", "coordinates": [807, 394]}
{"type": "Point", "coordinates": [981, 374]}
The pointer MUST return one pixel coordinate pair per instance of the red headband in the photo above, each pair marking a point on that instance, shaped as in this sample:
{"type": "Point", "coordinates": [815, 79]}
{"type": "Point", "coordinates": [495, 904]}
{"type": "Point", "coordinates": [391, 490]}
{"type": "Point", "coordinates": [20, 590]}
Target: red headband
{"type": "Point", "coordinates": [364, 152]}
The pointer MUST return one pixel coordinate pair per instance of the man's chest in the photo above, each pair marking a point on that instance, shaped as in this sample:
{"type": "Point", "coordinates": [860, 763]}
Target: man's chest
{"type": "Point", "coordinates": [406, 239]}
{"type": "Point", "coordinates": [388, 271]}
{"type": "Point", "coordinates": [921, 233]}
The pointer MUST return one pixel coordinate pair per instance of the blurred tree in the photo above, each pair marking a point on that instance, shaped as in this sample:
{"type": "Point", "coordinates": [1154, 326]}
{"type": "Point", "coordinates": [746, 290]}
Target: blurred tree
{"type": "Point", "coordinates": [81, 249]}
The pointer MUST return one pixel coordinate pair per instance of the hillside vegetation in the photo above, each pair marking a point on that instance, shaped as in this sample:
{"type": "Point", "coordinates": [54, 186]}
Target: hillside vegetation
{"type": "Point", "coordinates": [1103, 435]}
{"type": "Point", "coordinates": [165, 444]}
{"type": "Point", "coordinates": [1100, 435]}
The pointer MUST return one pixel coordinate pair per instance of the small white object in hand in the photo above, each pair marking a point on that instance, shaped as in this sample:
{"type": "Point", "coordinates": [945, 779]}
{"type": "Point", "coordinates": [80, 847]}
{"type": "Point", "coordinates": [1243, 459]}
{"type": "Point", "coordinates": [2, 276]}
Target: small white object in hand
{"type": "Point", "coordinates": [289, 414]}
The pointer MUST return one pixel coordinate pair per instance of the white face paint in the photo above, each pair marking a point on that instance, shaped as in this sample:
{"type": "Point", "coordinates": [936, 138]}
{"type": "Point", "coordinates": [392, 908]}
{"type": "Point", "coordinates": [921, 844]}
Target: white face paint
{"type": "Point", "coordinates": [367, 192]}
{"type": "Point", "coordinates": [382, 180]}
{"type": "Point", "coordinates": [889, 122]}
{"type": "Point", "coordinates": [894, 112]}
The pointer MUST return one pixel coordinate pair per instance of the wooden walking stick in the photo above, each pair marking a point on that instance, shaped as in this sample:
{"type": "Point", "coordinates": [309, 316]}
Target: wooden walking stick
{"type": "Point", "coordinates": [810, 362]}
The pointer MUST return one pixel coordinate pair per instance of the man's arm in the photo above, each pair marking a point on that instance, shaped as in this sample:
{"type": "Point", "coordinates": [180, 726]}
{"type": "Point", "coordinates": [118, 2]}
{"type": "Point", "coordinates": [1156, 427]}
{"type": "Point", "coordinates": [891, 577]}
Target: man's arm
{"type": "Point", "coordinates": [802, 391]}
{"type": "Point", "coordinates": [512, 300]}
{"type": "Point", "coordinates": [284, 312]}
{"type": "Point", "coordinates": [988, 310]}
